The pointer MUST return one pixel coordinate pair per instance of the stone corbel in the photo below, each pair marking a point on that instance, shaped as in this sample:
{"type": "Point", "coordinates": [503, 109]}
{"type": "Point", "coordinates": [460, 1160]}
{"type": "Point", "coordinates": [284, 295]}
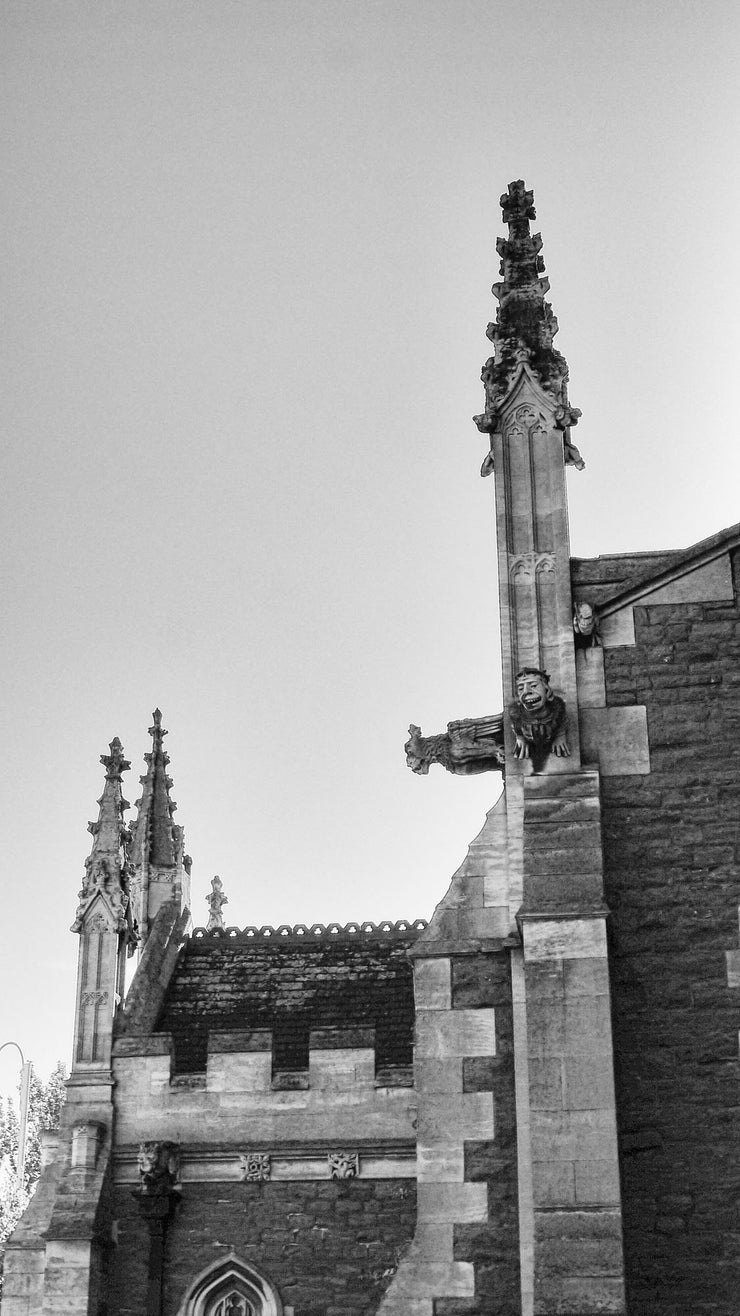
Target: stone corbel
{"type": "Point", "coordinates": [158, 1192]}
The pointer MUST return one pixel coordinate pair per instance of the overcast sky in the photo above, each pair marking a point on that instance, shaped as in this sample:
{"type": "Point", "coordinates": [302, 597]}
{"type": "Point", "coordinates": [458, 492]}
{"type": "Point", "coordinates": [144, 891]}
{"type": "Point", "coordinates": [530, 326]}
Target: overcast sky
{"type": "Point", "coordinates": [247, 256]}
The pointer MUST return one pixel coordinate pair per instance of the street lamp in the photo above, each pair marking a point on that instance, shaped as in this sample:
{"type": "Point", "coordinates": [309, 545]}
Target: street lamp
{"type": "Point", "coordinates": [25, 1097]}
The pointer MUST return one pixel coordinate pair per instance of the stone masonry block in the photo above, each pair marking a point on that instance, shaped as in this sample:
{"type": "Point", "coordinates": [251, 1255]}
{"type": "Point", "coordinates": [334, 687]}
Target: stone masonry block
{"type": "Point", "coordinates": [572, 1135]}
{"type": "Point", "coordinates": [546, 1028]}
{"type": "Point", "coordinates": [568, 893]}
{"type": "Point", "coordinates": [432, 984]}
{"type": "Point", "coordinates": [561, 835]}
{"type": "Point", "coordinates": [570, 786]}
{"type": "Point", "coordinates": [550, 939]}
{"type": "Point", "coordinates": [553, 1182]}
{"type": "Point", "coordinates": [617, 739]}
{"type": "Point", "coordinates": [156, 1044]}
{"type": "Point", "coordinates": [258, 1039]}
{"type": "Point", "coordinates": [247, 1071]}
{"type": "Point", "coordinates": [439, 1075]}
{"type": "Point", "coordinates": [580, 1224]}
{"type": "Point", "coordinates": [597, 1182]}
{"type": "Point", "coordinates": [588, 1026]}
{"type": "Point", "coordinates": [579, 1256]}
{"type": "Point", "coordinates": [548, 862]}
{"type": "Point", "coordinates": [543, 809]}
{"type": "Point", "coordinates": [342, 1070]}
{"type": "Point", "coordinates": [589, 1081]}
{"type": "Point", "coordinates": [733, 967]}
{"type": "Point", "coordinates": [545, 980]}
{"type": "Point", "coordinates": [579, 1294]}
{"type": "Point", "coordinates": [590, 678]}
{"type": "Point", "coordinates": [342, 1038]}
{"type": "Point", "coordinates": [546, 1084]}
{"type": "Point", "coordinates": [469, 1116]}
{"type": "Point", "coordinates": [586, 977]}
{"type": "Point", "coordinates": [456, 1033]}
{"type": "Point", "coordinates": [454, 1203]}
{"type": "Point", "coordinates": [440, 1158]}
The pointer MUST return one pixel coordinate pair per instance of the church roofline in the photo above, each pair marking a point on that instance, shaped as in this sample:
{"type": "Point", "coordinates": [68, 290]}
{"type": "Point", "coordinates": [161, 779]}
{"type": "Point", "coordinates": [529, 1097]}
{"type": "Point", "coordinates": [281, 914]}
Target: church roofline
{"type": "Point", "coordinates": [675, 564]}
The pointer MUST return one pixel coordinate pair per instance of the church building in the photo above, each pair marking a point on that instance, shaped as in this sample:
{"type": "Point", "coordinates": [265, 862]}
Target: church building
{"type": "Point", "coordinates": [528, 1106]}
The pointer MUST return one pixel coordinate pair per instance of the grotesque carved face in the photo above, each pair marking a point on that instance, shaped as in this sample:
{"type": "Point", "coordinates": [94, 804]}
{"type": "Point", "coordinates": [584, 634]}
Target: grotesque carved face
{"type": "Point", "coordinates": [533, 690]}
{"type": "Point", "coordinates": [148, 1157]}
{"type": "Point", "coordinates": [583, 619]}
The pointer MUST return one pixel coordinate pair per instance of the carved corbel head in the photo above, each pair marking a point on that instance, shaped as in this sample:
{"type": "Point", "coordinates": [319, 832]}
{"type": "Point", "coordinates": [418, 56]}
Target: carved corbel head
{"type": "Point", "coordinates": [586, 633]}
{"type": "Point", "coordinates": [533, 689]}
{"type": "Point", "coordinates": [159, 1167]}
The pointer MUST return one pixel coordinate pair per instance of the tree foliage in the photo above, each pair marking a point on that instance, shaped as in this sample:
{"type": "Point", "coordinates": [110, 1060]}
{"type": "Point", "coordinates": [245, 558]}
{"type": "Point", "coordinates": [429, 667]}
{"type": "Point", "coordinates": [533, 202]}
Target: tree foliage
{"type": "Point", "coordinates": [45, 1104]}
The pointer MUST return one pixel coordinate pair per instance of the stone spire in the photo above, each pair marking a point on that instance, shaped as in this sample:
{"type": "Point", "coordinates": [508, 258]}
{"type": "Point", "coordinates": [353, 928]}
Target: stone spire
{"type": "Point", "coordinates": [525, 326]}
{"type": "Point", "coordinates": [103, 921]}
{"type": "Point", "coordinates": [154, 833]}
{"type": "Point", "coordinates": [105, 866]}
{"type": "Point", "coordinates": [156, 854]}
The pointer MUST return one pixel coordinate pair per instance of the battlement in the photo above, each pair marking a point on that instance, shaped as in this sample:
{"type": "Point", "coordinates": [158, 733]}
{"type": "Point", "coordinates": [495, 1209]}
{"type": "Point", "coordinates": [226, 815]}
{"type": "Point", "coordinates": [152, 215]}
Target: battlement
{"type": "Point", "coordinates": [339, 1093]}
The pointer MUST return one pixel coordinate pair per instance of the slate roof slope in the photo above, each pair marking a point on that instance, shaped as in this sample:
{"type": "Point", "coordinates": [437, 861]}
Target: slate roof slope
{"type": "Point", "coordinates": [291, 984]}
{"type": "Point", "coordinates": [606, 579]}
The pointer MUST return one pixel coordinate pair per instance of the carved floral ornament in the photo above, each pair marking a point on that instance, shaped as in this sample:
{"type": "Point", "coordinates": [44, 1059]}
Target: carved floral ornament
{"type": "Point", "coordinates": [343, 1165]}
{"type": "Point", "coordinates": [255, 1167]}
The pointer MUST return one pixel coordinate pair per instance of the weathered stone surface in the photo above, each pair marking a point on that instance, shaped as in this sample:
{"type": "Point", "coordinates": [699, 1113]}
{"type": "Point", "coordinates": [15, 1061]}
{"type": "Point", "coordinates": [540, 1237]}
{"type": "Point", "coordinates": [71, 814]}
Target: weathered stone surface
{"type": "Point", "coordinates": [324, 1245]}
{"type": "Point", "coordinates": [673, 884]}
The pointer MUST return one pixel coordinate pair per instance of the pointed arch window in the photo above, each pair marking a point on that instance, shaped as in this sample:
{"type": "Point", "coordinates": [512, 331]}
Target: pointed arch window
{"type": "Point", "coordinates": [231, 1287]}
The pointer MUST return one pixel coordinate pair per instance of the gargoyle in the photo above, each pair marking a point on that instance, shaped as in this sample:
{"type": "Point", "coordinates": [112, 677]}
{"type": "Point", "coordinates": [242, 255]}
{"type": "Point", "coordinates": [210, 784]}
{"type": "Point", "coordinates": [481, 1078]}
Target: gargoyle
{"type": "Point", "coordinates": [469, 746]}
{"type": "Point", "coordinates": [539, 719]}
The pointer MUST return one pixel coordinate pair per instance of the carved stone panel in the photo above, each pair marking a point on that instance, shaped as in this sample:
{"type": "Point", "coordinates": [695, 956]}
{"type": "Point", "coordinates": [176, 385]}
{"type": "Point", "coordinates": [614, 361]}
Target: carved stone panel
{"type": "Point", "coordinates": [343, 1165]}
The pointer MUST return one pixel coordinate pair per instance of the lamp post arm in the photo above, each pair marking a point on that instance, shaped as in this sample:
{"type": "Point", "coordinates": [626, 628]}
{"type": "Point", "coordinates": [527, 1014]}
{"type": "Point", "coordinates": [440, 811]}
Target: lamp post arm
{"type": "Point", "coordinates": [25, 1101]}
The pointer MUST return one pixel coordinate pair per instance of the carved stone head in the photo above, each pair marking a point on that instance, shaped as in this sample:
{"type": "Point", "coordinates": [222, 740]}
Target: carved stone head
{"type": "Point", "coordinates": [584, 619]}
{"type": "Point", "coordinates": [159, 1166]}
{"type": "Point", "coordinates": [533, 689]}
{"type": "Point", "coordinates": [585, 625]}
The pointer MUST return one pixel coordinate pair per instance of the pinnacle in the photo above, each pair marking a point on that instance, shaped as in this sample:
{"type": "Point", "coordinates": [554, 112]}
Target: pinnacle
{"type": "Point", "coordinates": [153, 836]}
{"type": "Point", "coordinates": [107, 829]}
{"type": "Point", "coordinates": [525, 326]}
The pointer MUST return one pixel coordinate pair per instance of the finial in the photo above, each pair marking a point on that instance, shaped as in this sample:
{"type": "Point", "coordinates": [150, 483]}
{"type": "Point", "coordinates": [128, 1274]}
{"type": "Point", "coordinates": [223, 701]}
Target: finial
{"type": "Point", "coordinates": [114, 763]}
{"type": "Point", "coordinates": [517, 204]}
{"type": "Point", "coordinates": [215, 902]}
{"type": "Point", "coordinates": [157, 731]}
{"type": "Point", "coordinates": [525, 326]}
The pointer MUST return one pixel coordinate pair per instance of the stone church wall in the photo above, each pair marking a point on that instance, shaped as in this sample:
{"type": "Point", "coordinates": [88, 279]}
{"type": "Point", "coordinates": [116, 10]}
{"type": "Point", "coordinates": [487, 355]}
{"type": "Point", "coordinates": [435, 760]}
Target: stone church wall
{"type": "Point", "coordinates": [330, 1248]}
{"type": "Point", "coordinates": [672, 843]}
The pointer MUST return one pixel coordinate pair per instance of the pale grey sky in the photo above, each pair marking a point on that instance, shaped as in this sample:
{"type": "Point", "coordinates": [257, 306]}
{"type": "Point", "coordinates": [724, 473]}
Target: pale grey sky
{"type": "Point", "coordinates": [246, 278]}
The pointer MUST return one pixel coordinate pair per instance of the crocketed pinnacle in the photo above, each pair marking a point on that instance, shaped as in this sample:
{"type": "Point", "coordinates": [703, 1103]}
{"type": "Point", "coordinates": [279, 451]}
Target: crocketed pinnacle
{"type": "Point", "coordinates": [525, 325]}
{"type": "Point", "coordinates": [153, 840]}
{"type": "Point", "coordinates": [109, 826]}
